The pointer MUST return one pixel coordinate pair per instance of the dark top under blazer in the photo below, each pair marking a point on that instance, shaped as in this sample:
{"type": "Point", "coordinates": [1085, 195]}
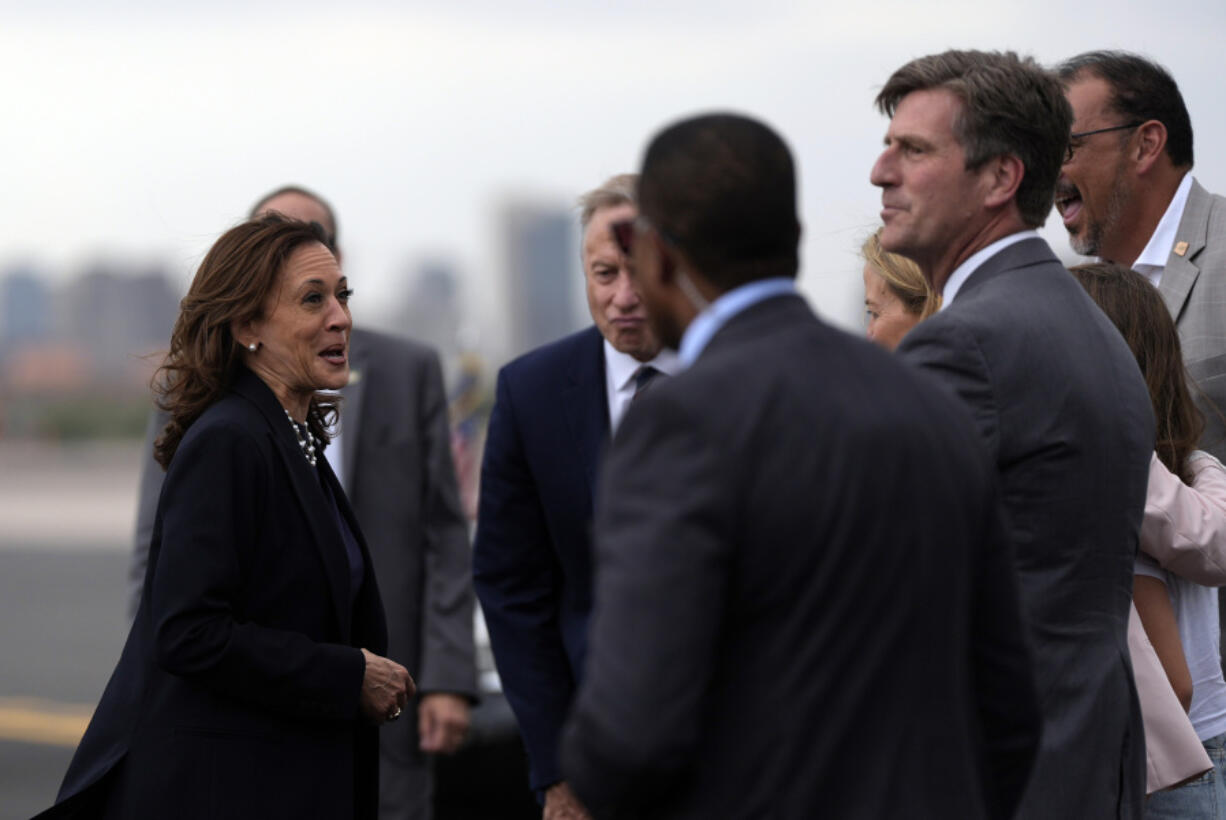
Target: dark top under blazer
{"type": "Point", "coordinates": [1061, 404]}
{"type": "Point", "coordinates": [532, 552]}
{"type": "Point", "coordinates": [237, 693]}
{"type": "Point", "coordinates": [805, 604]}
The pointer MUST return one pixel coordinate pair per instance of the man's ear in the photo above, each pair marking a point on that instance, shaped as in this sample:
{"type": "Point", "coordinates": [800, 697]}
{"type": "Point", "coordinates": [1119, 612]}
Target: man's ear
{"type": "Point", "coordinates": [668, 260]}
{"type": "Point", "coordinates": [1148, 145]}
{"type": "Point", "coordinates": [1004, 177]}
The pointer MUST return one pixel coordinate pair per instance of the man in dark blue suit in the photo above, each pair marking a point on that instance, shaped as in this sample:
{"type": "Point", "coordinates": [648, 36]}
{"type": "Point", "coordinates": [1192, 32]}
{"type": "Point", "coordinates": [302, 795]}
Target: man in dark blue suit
{"type": "Point", "coordinates": [554, 411]}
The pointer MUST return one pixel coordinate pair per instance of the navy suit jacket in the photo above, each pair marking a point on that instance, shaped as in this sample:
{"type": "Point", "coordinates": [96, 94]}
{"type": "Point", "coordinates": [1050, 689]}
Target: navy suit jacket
{"type": "Point", "coordinates": [532, 554]}
{"type": "Point", "coordinates": [237, 693]}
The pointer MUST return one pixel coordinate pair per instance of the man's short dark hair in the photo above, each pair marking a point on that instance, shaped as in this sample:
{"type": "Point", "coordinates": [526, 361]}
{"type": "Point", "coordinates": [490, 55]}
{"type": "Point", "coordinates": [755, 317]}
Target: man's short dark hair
{"type": "Point", "coordinates": [722, 188]}
{"type": "Point", "coordinates": [1010, 106]}
{"type": "Point", "coordinates": [332, 230]}
{"type": "Point", "coordinates": [1140, 90]}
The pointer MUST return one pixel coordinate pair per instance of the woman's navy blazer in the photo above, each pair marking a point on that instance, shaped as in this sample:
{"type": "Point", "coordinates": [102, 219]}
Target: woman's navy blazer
{"type": "Point", "coordinates": [237, 693]}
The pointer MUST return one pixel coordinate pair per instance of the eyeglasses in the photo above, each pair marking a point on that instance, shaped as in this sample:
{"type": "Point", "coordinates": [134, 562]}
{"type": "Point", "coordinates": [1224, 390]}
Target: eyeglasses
{"type": "Point", "coordinates": [1068, 152]}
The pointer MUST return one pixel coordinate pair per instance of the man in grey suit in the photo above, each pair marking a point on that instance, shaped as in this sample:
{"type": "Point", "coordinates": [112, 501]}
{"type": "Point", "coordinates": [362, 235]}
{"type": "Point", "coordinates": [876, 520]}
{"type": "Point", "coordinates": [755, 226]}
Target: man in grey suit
{"type": "Point", "coordinates": [971, 157]}
{"type": "Point", "coordinates": [1127, 195]}
{"type": "Point", "coordinates": [805, 601]}
{"type": "Point", "coordinates": [393, 458]}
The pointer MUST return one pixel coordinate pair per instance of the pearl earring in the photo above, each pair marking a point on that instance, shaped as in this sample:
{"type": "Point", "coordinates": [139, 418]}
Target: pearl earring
{"type": "Point", "coordinates": [253, 346]}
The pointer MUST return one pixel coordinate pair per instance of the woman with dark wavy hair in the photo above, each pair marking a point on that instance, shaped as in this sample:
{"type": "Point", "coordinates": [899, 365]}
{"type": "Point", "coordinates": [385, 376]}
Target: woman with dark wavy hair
{"type": "Point", "coordinates": [252, 681]}
{"type": "Point", "coordinates": [1187, 499]}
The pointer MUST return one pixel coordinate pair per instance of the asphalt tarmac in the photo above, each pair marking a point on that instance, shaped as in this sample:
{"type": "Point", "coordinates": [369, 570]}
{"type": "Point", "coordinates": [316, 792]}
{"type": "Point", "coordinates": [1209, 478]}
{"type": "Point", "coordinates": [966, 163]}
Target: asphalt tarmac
{"type": "Point", "coordinates": [62, 626]}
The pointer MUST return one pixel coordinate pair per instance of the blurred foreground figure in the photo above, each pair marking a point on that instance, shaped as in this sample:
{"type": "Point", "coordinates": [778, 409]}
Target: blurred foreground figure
{"type": "Point", "coordinates": [251, 682]}
{"type": "Point", "coordinates": [805, 599]}
{"type": "Point", "coordinates": [393, 458]}
{"type": "Point", "coordinates": [971, 156]}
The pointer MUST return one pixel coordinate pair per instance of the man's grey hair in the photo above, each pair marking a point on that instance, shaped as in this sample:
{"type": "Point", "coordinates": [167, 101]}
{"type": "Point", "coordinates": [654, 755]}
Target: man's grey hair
{"type": "Point", "coordinates": [619, 190]}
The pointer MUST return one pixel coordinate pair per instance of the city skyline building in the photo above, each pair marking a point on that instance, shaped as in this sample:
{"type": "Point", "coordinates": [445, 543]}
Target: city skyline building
{"type": "Point", "coordinates": [542, 273]}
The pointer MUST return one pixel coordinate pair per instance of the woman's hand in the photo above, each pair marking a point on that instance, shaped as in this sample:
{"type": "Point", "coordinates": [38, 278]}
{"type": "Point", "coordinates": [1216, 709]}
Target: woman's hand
{"type": "Point", "coordinates": [386, 688]}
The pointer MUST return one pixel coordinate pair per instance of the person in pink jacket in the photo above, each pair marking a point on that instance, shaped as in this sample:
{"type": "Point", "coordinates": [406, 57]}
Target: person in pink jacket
{"type": "Point", "coordinates": [1183, 543]}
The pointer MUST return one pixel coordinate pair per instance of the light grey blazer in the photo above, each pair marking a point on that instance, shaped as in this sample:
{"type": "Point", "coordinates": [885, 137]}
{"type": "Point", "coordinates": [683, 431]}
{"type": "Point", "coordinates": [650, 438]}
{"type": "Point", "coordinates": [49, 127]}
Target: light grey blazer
{"type": "Point", "coordinates": [1194, 288]}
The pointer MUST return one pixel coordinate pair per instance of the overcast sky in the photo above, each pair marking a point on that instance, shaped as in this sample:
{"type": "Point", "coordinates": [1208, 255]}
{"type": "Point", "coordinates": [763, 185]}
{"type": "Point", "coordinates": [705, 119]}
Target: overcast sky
{"type": "Point", "coordinates": [141, 129]}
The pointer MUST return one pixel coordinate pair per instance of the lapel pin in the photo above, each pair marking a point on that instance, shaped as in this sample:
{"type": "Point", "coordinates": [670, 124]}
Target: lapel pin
{"type": "Point", "coordinates": [1181, 248]}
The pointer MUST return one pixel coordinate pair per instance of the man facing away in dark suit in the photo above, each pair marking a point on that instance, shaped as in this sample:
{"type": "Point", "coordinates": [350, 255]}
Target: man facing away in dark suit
{"type": "Point", "coordinates": [554, 409]}
{"type": "Point", "coordinates": [392, 456]}
{"type": "Point", "coordinates": [805, 601]}
{"type": "Point", "coordinates": [1127, 195]}
{"type": "Point", "coordinates": [971, 157]}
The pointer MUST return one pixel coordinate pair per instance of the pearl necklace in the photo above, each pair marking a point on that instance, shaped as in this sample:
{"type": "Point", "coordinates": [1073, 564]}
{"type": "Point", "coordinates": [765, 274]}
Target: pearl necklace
{"type": "Point", "coordinates": [306, 442]}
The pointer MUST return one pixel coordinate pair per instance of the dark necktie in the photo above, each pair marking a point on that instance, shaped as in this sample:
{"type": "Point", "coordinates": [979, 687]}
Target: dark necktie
{"type": "Point", "coordinates": [643, 379]}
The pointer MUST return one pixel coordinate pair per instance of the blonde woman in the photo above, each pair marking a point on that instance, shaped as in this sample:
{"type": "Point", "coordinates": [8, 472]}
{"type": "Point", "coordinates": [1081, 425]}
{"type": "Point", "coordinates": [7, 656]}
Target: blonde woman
{"type": "Point", "coordinates": [896, 294]}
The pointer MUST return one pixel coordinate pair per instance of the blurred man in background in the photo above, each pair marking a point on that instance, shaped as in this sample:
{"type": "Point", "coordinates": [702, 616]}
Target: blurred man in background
{"type": "Point", "coordinates": [553, 413]}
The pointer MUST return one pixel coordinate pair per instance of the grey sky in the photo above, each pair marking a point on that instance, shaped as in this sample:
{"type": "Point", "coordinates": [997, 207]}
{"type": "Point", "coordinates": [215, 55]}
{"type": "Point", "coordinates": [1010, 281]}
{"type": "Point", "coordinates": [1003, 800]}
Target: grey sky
{"type": "Point", "coordinates": [142, 129]}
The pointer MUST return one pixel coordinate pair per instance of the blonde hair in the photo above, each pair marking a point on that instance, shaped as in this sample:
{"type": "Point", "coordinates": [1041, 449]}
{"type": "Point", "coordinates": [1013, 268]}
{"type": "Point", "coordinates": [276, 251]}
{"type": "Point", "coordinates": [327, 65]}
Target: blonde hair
{"type": "Point", "coordinates": [902, 277]}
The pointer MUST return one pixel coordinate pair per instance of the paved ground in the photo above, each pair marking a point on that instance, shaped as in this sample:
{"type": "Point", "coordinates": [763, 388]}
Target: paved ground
{"type": "Point", "coordinates": [72, 497]}
{"type": "Point", "coordinates": [62, 626]}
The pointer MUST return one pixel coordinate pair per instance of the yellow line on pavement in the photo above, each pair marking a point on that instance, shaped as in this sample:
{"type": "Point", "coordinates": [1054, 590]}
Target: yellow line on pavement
{"type": "Point", "coordinates": [45, 722]}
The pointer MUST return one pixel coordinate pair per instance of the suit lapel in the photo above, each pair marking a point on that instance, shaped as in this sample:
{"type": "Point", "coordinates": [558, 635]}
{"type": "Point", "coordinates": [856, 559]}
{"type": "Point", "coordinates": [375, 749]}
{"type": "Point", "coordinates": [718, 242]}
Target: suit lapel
{"type": "Point", "coordinates": [1180, 272]}
{"type": "Point", "coordinates": [354, 393]}
{"type": "Point", "coordinates": [310, 495]}
{"type": "Point", "coordinates": [585, 403]}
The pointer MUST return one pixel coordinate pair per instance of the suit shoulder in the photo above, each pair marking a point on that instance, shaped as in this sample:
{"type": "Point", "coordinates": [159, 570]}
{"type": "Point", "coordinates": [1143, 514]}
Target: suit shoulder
{"type": "Point", "coordinates": [1217, 219]}
{"type": "Point", "coordinates": [231, 416]}
{"type": "Point", "coordinates": [555, 357]}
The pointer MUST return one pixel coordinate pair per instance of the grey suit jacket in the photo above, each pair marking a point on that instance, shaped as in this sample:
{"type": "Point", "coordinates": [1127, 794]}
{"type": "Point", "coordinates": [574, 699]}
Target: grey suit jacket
{"type": "Point", "coordinates": [1060, 401]}
{"type": "Point", "coordinates": [400, 480]}
{"type": "Point", "coordinates": [1194, 288]}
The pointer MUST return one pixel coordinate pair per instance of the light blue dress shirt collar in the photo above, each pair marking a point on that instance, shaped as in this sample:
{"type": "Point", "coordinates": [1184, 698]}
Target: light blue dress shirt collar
{"type": "Point", "coordinates": [706, 324]}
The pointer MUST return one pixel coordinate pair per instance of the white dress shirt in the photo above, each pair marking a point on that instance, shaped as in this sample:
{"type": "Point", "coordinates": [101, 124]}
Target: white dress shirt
{"type": "Point", "coordinates": [1152, 260]}
{"type": "Point", "coordinates": [619, 372]}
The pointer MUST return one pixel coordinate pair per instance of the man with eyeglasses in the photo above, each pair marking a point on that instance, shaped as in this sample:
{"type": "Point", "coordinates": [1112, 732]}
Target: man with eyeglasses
{"type": "Point", "coordinates": [554, 411]}
{"type": "Point", "coordinates": [1127, 195]}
